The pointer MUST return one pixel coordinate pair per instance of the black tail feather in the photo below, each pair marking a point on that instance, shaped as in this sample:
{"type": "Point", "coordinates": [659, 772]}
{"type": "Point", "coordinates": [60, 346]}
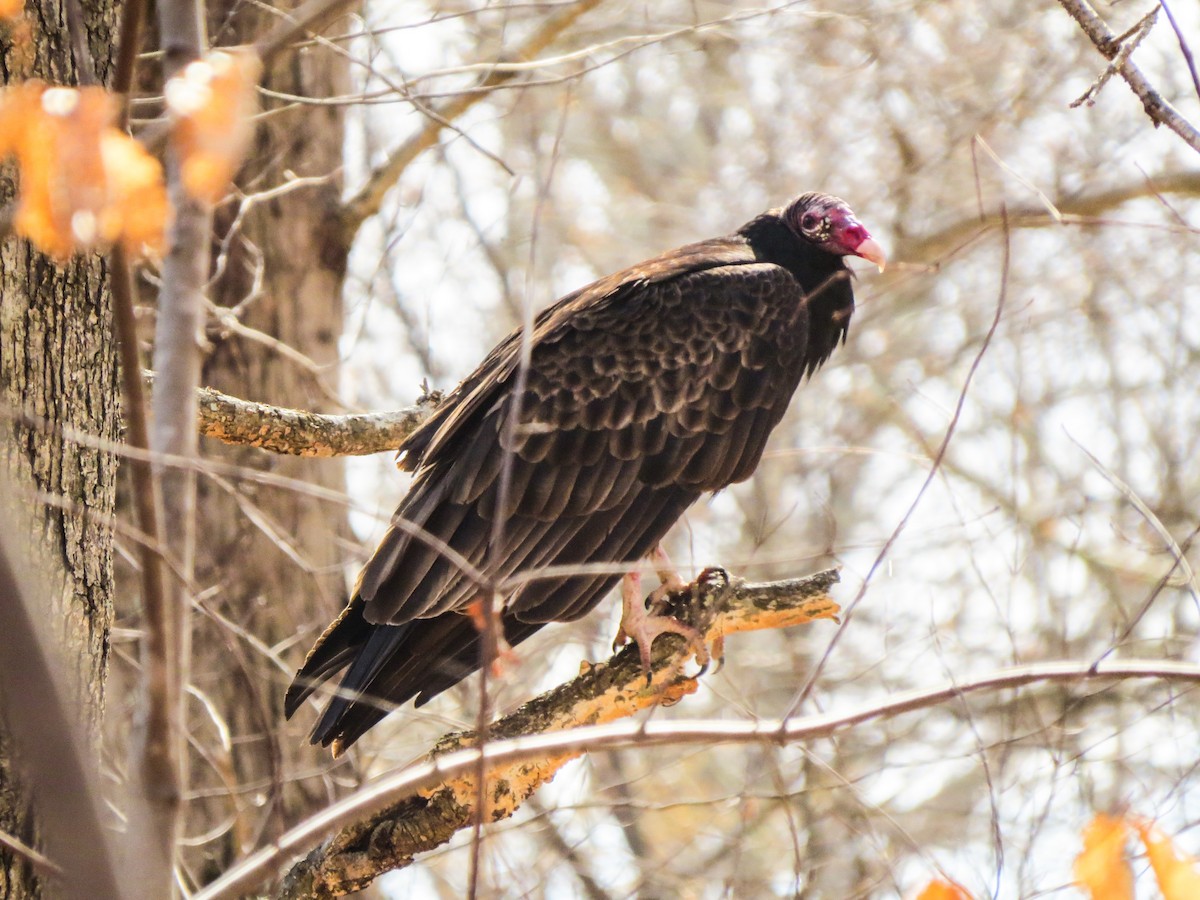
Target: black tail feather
{"type": "Point", "coordinates": [419, 659]}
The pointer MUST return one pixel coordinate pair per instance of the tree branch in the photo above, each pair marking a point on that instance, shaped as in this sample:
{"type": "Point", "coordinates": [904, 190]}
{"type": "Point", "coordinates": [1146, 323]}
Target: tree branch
{"type": "Point", "coordinates": [408, 824]}
{"type": "Point", "coordinates": [429, 777]}
{"type": "Point", "coordinates": [160, 731]}
{"type": "Point", "coordinates": [1077, 209]}
{"type": "Point", "coordinates": [369, 199]}
{"type": "Point", "coordinates": [296, 432]}
{"type": "Point", "coordinates": [1109, 45]}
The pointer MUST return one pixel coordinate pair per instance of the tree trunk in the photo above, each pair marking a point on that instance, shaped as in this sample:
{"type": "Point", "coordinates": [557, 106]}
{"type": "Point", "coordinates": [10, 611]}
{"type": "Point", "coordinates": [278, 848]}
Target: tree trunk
{"type": "Point", "coordinates": [274, 557]}
{"type": "Point", "coordinates": [58, 370]}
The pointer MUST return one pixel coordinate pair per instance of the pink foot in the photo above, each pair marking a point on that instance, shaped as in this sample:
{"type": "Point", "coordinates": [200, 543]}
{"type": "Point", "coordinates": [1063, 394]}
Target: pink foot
{"type": "Point", "coordinates": [668, 578]}
{"type": "Point", "coordinates": [643, 627]}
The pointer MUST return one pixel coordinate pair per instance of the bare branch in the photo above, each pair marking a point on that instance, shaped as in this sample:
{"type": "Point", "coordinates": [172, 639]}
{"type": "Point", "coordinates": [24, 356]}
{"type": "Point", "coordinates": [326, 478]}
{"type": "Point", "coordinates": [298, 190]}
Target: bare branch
{"type": "Point", "coordinates": [160, 729]}
{"type": "Point", "coordinates": [426, 777]}
{"type": "Point", "coordinates": [1109, 45]}
{"type": "Point", "coordinates": [312, 16]}
{"type": "Point", "coordinates": [368, 200]}
{"type": "Point", "coordinates": [606, 692]}
{"type": "Point", "coordinates": [1071, 210]}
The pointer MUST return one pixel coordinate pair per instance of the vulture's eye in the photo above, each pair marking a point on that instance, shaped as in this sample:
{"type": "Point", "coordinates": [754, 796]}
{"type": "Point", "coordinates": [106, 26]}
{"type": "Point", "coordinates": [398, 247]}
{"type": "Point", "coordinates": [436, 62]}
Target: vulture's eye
{"type": "Point", "coordinates": [810, 221]}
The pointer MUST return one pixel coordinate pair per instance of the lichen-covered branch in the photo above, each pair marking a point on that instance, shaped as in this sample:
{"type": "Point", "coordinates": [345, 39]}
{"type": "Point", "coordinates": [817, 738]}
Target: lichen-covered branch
{"type": "Point", "coordinates": [297, 432]}
{"type": "Point", "coordinates": [300, 433]}
{"type": "Point", "coordinates": [601, 693]}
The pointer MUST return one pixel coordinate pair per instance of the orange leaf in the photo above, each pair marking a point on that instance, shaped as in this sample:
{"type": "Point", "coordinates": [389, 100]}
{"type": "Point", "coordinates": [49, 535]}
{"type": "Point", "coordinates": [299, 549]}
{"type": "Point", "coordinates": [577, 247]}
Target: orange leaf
{"type": "Point", "coordinates": [82, 183]}
{"type": "Point", "coordinates": [10, 9]}
{"type": "Point", "coordinates": [55, 134]}
{"type": "Point", "coordinates": [138, 209]}
{"type": "Point", "coordinates": [1102, 868]}
{"type": "Point", "coordinates": [1178, 879]}
{"type": "Point", "coordinates": [938, 889]}
{"type": "Point", "coordinates": [213, 103]}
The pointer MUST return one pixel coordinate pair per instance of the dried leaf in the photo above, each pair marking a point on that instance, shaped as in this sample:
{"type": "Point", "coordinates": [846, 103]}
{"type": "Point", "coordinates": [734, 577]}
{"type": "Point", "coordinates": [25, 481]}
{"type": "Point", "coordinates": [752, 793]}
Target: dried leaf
{"type": "Point", "coordinates": [1178, 878]}
{"type": "Point", "coordinates": [213, 102]}
{"type": "Point", "coordinates": [82, 184]}
{"type": "Point", "coordinates": [55, 134]}
{"type": "Point", "coordinates": [1102, 868]}
{"type": "Point", "coordinates": [10, 9]}
{"type": "Point", "coordinates": [136, 195]}
{"type": "Point", "coordinates": [939, 889]}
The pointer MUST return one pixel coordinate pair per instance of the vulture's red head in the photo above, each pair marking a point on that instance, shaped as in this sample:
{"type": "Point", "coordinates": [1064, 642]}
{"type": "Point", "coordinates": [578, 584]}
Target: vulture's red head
{"type": "Point", "coordinates": [830, 224]}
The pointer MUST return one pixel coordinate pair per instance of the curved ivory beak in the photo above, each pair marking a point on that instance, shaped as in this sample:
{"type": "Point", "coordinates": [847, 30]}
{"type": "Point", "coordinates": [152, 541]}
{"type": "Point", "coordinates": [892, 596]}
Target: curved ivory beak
{"type": "Point", "coordinates": [870, 250]}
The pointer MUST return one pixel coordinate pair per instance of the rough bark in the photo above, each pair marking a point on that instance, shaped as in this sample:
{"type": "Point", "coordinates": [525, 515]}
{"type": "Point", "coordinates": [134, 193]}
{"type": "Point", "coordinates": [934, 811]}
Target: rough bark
{"type": "Point", "coordinates": [273, 557]}
{"type": "Point", "coordinates": [58, 368]}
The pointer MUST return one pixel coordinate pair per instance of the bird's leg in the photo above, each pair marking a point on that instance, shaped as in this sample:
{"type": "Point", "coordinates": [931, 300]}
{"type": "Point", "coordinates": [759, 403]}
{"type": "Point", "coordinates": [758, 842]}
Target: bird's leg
{"type": "Point", "coordinates": [643, 627]}
{"type": "Point", "coordinates": [669, 580]}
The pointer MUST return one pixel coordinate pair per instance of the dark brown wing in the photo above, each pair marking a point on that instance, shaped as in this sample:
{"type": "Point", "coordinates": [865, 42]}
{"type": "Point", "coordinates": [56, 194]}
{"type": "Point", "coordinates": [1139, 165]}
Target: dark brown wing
{"type": "Point", "coordinates": [641, 394]}
{"type": "Point", "coordinates": [671, 386]}
{"type": "Point", "coordinates": [462, 405]}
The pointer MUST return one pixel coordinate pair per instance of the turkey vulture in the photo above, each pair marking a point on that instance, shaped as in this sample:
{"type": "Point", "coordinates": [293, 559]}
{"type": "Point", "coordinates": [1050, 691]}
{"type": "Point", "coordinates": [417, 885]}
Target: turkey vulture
{"type": "Point", "coordinates": [642, 391]}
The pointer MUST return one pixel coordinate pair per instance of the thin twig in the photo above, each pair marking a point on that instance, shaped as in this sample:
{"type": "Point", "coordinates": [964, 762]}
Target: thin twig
{"type": "Point", "coordinates": [1183, 46]}
{"type": "Point", "coordinates": [312, 16]}
{"type": "Point", "coordinates": [425, 777]}
{"type": "Point", "coordinates": [811, 681]}
{"type": "Point", "coordinates": [133, 16]}
{"type": "Point", "coordinates": [1151, 519]}
{"type": "Point", "coordinates": [155, 760]}
{"type": "Point", "coordinates": [19, 848]}
{"type": "Point", "coordinates": [1148, 603]}
{"type": "Point", "coordinates": [369, 199]}
{"type": "Point", "coordinates": [1129, 42]}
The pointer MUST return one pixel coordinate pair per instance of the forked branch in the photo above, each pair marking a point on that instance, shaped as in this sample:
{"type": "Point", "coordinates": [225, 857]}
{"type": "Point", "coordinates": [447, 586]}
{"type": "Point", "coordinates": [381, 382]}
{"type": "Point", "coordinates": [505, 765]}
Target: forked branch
{"type": "Point", "coordinates": [1111, 46]}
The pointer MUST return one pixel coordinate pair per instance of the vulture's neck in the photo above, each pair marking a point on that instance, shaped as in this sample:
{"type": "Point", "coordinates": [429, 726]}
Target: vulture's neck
{"type": "Point", "coordinates": [824, 277]}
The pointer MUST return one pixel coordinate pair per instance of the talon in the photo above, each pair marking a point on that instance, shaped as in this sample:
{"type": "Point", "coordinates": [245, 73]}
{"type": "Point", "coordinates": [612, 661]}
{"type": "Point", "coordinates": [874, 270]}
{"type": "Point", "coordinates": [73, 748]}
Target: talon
{"type": "Point", "coordinates": [642, 627]}
{"type": "Point", "coordinates": [718, 652]}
